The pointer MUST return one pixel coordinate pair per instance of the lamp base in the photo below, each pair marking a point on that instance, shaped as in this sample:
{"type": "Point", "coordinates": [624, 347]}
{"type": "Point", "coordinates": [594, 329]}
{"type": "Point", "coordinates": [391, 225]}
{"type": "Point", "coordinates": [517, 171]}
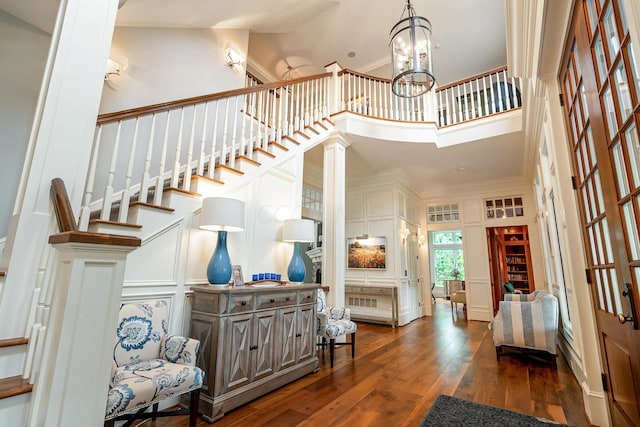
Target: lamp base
{"type": "Point", "coordinates": [296, 270]}
{"type": "Point", "coordinates": [219, 268]}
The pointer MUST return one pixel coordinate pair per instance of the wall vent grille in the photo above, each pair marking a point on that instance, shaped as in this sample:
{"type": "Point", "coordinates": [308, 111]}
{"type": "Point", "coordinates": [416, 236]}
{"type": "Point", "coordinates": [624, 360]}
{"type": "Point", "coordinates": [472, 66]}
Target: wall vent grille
{"type": "Point", "coordinates": [363, 302]}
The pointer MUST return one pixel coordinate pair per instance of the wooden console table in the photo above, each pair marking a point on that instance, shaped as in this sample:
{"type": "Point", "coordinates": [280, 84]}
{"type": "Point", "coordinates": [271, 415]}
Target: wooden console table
{"type": "Point", "coordinates": [252, 341]}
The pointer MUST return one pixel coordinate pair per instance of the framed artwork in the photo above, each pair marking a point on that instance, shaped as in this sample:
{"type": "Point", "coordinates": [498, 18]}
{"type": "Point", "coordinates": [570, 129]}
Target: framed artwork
{"type": "Point", "coordinates": [367, 252]}
{"type": "Point", "coordinates": [237, 276]}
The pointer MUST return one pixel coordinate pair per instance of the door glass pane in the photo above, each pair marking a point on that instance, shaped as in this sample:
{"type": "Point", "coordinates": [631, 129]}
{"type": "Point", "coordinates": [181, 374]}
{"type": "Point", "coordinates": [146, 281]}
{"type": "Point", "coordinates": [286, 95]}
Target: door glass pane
{"type": "Point", "coordinates": [621, 170]}
{"type": "Point", "coordinates": [600, 243]}
{"type": "Point", "coordinates": [600, 59]}
{"type": "Point", "coordinates": [610, 112]}
{"type": "Point", "coordinates": [633, 147]}
{"type": "Point", "coordinates": [622, 86]}
{"type": "Point", "coordinates": [634, 68]}
{"type": "Point", "coordinates": [632, 231]}
{"type": "Point", "coordinates": [607, 241]}
{"type": "Point", "coordinates": [583, 93]}
{"type": "Point", "coordinates": [611, 31]}
{"type": "Point", "coordinates": [579, 121]}
{"type": "Point", "coordinates": [594, 246]}
{"type": "Point", "coordinates": [593, 15]}
{"type": "Point", "coordinates": [592, 149]}
{"type": "Point", "coordinates": [607, 291]}
{"type": "Point", "coordinates": [592, 198]}
{"type": "Point", "coordinates": [616, 292]}
{"type": "Point", "coordinates": [572, 119]}
{"type": "Point", "coordinates": [585, 199]}
{"type": "Point", "coordinates": [599, 288]}
{"type": "Point", "coordinates": [581, 149]}
{"type": "Point", "coordinates": [623, 18]}
{"type": "Point", "coordinates": [596, 179]}
{"type": "Point", "coordinates": [572, 80]}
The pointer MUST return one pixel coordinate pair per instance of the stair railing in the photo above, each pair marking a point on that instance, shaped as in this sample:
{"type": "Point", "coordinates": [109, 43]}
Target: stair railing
{"type": "Point", "coordinates": [139, 152]}
{"type": "Point", "coordinates": [479, 96]}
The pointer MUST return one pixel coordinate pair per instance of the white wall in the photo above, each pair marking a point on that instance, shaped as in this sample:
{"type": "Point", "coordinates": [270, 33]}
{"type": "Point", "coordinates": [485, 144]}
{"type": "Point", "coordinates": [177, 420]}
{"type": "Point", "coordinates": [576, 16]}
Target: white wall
{"type": "Point", "coordinates": [159, 57]}
{"type": "Point", "coordinates": [23, 49]}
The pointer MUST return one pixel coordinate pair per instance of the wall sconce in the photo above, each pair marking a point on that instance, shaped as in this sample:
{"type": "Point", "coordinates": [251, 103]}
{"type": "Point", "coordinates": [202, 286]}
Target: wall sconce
{"type": "Point", "coordinates": [421, 240]}
{"type": "Point", "coordinates": [116, 63]}
{"type": "Point", "coordinates": [405, 234]}
{"type": "Point", "coordinates": [233, 57]}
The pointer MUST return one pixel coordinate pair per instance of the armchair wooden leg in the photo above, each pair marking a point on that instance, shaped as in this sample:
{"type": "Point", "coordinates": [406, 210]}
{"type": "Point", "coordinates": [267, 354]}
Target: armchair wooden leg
{"type": "Point", "coordinates": [110, 423]}
{"type": "Point", "coordinates": [193, 405]}
{"type": "Point", "coordinates": [353, 345]}
{"type": "Point", "coordinates": [154, 411]}
{"type": "Point", "coordinates": [332, 345]}
{"type": "Point", "coordinates": [498, 352]}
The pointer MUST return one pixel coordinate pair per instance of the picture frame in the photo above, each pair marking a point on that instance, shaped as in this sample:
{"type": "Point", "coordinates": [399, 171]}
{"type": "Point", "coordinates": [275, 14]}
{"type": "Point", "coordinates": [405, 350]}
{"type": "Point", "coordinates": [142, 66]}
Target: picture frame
{"type": "Point", "coordinates": [237, 275]}
{"type": "Point", "coordinates": [367, 252]}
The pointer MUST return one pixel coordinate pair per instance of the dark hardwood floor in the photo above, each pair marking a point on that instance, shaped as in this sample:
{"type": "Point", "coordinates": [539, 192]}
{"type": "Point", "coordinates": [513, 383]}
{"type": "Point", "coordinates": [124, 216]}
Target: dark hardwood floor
{"type": "Point", "coordinates": [398, 373]}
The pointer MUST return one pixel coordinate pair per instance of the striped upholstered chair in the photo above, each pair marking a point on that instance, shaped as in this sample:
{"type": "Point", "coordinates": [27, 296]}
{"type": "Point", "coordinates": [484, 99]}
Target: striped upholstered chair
{"type": "Point", "coordinates": [150, 365]}
{"type": "Point", "coordinates": [528, 322]}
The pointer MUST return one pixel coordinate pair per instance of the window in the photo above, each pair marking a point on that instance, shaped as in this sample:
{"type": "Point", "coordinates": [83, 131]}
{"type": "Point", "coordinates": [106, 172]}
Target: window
{"type": "Point", "coordinates": [312, 199]}
{"type": "Point", "coordinates": [443, 213]}
{"type": "Point", "coordinates": [446, 258]}
{"type": "Point", "coordinates": [504, 208]}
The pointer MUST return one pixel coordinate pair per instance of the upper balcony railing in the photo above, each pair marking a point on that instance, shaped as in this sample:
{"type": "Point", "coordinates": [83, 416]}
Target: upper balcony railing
{"type": "Point", "coordinates": [139, 152]}
{"type": "Point", "coordinates": [475, 97]}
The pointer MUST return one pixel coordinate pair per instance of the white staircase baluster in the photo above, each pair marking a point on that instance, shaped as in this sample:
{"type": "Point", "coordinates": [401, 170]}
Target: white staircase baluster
{"type": "Point", "coordinates": [203, 137]}
{"type": "Point", "coordinates": [234, 143]}
{"type": "Point", "coordinates": [85, 210]}
{"type": "Point", "coordinates": [272, 121]}
{"type": "Point", "coordinates": [108, 190]}
{"type": "Point", "coordinates": [460, 102]}
{"type": "Point", "coordinates": [126, 191]}
{"type": "Point", "coordinates": [514, 100]}
{"type": "Point", "coordinates": [157, 199]}
{"type": "Point", "coordinates": [186, 181]}
{"type": "Point", "coordinates": [486, 96]}
{"type": "Point", "coordinates": [243, 142]}
{"type": "Point", "coordinates": [507, 96]}
{"type": "Point", "coordinates": [298, 102]}
{"type": "Point", "coordinates": [214, 142]}
{"type": "Point", "coordinates": [258, 120]}
{"type": "Point", "coordinates": [144, 182]}
{"type": "Point", "coordinates": [175, 179]}
{"type": "Point", "coordinates": [224, 150]}
{"type": "Point", "coordinates": [251, 109]}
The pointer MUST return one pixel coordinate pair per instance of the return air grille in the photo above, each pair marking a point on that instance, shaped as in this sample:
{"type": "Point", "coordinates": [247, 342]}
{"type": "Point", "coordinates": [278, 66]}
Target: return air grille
{"type": "Point", "coordinates": [363, 302]}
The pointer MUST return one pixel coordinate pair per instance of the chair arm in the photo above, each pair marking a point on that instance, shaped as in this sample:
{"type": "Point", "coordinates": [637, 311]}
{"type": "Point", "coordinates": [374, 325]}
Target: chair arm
{"type": "Point", "coordinates": [323, 319]}
{"type": "Point", "coordinates": [181, 350]}
{"type": "Point", "coordinates": [114, 367]}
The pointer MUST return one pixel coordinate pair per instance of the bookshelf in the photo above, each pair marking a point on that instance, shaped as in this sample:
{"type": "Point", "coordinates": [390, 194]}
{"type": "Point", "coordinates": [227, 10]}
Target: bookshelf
{"type": "Point", "coordinates": [517, 258]}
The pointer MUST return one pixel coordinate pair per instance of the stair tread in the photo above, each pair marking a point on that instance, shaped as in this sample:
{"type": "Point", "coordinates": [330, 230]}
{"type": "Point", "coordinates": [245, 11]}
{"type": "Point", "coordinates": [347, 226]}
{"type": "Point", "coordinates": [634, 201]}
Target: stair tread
{"type": "Point", "coordinates": [280, 146]}
{"type": "Point", "coordinates": [304, 135]}
{"type": "Point", "coordinates": [186, 192]}
{"type": "Point", "coordinates": [248, 160]}
{"type": "Point", "coordinates": [14, 386]}
{"type": "Point", "coordinates": [10, 342]}
{"type": "Point", "coordinates": [230, 169]}
{"type": "Point", "coordinates": [266, 153]}
{"type": "Point", "coordinates": [121, 224]}
{"type": "Point", "coordinates": [206, 178]}
{"type": "Point", "coordinates": [150, 205]}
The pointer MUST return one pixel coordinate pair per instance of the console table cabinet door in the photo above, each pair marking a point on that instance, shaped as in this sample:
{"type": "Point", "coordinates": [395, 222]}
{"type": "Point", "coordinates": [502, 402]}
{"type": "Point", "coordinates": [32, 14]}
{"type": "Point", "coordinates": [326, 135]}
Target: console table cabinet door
{"type": "Point", "coordinates": [287, 337]}
{"type": "Point", "coordinates": [306, 332]}
{"type": "Point", "coordinates": [263, 345]}
{"type": "Point", "coordinates": [237, 356]}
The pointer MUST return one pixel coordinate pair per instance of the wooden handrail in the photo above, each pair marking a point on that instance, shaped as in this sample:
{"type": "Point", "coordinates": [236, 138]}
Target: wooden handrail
{"type": "Point", "coordinates": [62, 206]}
{"type": "Point", "coordinates": [365, 76]}
{"type": "Point", "coordinates": [468, 79]}
{"type": "Point", "coordinates": [165, 106]}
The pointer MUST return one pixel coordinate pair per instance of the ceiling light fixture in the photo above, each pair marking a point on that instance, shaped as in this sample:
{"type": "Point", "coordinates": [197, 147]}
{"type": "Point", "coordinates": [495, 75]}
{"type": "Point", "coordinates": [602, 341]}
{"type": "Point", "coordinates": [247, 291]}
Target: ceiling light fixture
{"type": "Point", "coordinates": [410, 43]}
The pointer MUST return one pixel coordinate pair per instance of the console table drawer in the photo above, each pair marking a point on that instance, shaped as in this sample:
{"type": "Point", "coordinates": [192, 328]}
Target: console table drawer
{"type": "Point", "coordinates": [279, 299]}
{"type": "Point", "coordinates": [240, 303]}
{"type": "Point", "coordinates": [307, 296]}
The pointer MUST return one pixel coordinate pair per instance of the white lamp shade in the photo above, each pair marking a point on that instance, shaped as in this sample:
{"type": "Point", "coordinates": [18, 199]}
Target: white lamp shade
{"type": "Point", "coordinates": [298, 230]}
{"type": "Point", "coordinates": [222, 214]}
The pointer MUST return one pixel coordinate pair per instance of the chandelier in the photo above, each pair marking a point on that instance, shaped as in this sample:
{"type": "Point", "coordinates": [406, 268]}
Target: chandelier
{"type": "Point", "coordinates": [410, 43]}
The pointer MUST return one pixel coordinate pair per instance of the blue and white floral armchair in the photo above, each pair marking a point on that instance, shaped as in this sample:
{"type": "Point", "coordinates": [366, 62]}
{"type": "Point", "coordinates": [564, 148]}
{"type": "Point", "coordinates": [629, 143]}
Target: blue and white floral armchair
{"type": "Point", "coordinates": [334, 322]}
{"type": "Point", "coordinates": [150, 365]}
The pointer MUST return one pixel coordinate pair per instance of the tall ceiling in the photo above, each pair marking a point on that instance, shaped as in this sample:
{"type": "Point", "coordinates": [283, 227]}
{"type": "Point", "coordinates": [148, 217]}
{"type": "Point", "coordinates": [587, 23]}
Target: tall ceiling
{"type": "Point", "coordinates": [469, 37]}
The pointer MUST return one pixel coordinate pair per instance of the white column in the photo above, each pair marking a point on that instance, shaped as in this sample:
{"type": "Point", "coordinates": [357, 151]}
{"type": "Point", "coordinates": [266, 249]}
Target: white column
{"type": "Point", "coordinates": [334, 240]}
{"type": "Point", "coordinates": [59, 144]}
{"type": "Point", "coordinates": [73, 384]}
{"type": "Point", "coordinates": [335, 90]}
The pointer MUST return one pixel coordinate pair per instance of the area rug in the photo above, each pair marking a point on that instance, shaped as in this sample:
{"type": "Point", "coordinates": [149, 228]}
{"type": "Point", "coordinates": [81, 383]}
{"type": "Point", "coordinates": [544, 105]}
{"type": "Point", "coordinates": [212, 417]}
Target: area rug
{"type": "Point", "coordinates": [451, 411]}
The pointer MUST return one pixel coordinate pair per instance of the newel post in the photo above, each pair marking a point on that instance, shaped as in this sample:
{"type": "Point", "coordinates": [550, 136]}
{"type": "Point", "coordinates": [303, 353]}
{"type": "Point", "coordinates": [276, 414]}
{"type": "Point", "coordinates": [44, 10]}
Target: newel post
{"type": "Point", "coordinates": [76, 362]}
{"type": "Point", "coordinates": [335, 101]}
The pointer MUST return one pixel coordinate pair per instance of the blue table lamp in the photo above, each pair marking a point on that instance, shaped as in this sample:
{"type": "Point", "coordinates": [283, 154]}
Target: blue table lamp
{"type": "Point", "coordinates": [297, 231]}
{"type": "Point", "coordinates": [223, 215]}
